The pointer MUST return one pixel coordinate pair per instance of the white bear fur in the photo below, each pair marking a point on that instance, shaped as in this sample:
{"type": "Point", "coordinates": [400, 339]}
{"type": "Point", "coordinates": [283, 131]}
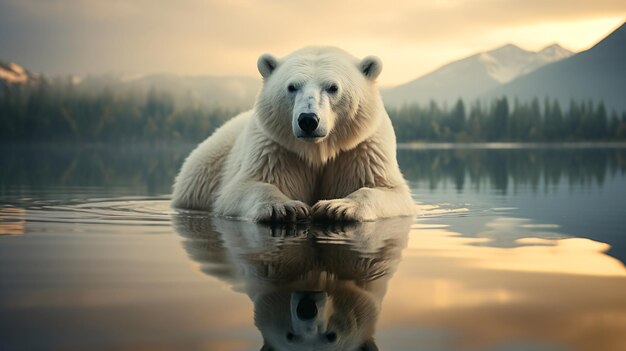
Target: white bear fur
{"type": "Point", "coordinates": [255, 167]}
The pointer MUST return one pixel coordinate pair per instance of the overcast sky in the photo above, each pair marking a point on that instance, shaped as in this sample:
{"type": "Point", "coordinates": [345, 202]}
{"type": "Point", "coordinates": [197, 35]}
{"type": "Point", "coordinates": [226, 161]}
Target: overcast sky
{"type": "Point", "coordinates": [226, 37]}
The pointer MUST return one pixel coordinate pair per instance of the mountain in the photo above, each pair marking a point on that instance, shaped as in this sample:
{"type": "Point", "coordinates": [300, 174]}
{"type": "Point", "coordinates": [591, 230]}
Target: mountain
{"type": "Point", "coordinates": [223, 91]}
{"type": "Point", "coordinates": [472, 76]}
{"type": "Point", "coordinates": [228, 91]}
{"type": "Point", "coordinates": [598, 73]}
{"type": "Point", "coordinates": [12, 73]}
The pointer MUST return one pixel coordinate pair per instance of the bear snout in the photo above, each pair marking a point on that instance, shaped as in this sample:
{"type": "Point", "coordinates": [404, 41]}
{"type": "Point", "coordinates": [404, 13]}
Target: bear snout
{"type": "Point", "coordinates": [308, 122]}
{"type": "Point", "coordinates": [306, 309]}
{"type": "Point", "coordinates": [308, 127]}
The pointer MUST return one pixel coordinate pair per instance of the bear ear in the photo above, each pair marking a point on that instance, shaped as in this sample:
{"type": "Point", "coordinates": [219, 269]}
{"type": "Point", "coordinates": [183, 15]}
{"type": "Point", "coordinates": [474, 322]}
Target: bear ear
{"type": "Point", "coordinates": [266, 64]}
{"type": "Point", "coordinates": [371, 67]}
{"type": "Point", "coordinates": [369, 345]}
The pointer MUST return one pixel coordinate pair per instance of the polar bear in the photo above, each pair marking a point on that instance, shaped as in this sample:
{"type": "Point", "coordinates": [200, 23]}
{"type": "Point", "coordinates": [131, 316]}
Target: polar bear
{"type": "Point", "coordinates": [313, 287]}
{"type": "Point", "coordinates": [318, 143]}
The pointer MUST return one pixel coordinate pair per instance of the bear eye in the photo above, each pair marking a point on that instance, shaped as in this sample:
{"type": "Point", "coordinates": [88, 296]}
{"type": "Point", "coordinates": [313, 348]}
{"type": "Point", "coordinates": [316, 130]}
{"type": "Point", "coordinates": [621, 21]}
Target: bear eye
{"type": "Point", "coordinates": [333, 88]}
{"type": "Point", "coordinates": [292, 88]}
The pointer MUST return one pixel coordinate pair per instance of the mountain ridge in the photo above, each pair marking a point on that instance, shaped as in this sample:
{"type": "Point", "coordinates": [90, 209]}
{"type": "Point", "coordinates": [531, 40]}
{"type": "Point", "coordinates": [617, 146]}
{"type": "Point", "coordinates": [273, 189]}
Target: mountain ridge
{"type": "Point", "coordinates": [597, 74]}
{"type": "Point", "coordinates": [469, 77]}
{"type": "Point", "coordinates": [12, 73]}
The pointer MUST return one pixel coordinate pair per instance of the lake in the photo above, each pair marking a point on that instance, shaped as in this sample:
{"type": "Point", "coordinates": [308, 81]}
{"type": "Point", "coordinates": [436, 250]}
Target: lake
{"type": "Point", "coordinates": [516, 247]}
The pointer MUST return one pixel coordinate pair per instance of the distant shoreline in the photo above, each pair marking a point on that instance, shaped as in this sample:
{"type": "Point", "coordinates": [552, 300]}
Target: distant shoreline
{"type": "Point", "coordinates": [514, 145]}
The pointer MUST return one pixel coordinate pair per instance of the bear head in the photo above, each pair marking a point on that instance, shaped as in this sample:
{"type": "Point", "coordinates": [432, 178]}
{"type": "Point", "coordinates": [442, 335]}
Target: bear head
{"type": "Point", "coordinates": [318, 101]}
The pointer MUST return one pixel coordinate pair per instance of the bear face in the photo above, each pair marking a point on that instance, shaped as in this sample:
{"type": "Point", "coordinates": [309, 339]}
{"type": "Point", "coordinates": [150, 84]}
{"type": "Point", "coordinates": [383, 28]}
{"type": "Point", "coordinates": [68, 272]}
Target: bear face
{"type": "Point", "coordinates": [318, 98]}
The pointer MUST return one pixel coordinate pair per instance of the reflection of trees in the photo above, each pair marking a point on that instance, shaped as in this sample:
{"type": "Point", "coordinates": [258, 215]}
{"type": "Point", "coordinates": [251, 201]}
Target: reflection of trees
{"type": "Point", "coordinates": [502, 168]}
{"type": "Point", "coordinates": [142, 169]}
{"type": "Point", "coordinates": [151, 169]}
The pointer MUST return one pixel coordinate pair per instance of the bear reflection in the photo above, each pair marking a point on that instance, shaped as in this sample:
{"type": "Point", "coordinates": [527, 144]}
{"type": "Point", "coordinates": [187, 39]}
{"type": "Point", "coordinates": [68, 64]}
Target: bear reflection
{"type": "Point", "coordinates": [313, 286]}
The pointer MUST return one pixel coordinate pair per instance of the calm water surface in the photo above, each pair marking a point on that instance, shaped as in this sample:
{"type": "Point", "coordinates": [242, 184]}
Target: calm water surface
{"type": "Point", "coordinates": [515, 248]}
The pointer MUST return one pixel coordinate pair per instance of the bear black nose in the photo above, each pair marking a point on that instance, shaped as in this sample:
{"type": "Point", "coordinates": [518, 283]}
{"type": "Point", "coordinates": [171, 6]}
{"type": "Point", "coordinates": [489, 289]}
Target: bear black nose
{"type": "Point", "coordinates": [308, 121]}
{"type": "Point", "coordinates": [307, 309]}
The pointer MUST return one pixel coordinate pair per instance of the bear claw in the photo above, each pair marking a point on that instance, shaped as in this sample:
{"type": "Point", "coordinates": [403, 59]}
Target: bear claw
{"type": "Point", "coordinates": [290, 211]}
{"type": "Point", "coordinates": [337, 210]}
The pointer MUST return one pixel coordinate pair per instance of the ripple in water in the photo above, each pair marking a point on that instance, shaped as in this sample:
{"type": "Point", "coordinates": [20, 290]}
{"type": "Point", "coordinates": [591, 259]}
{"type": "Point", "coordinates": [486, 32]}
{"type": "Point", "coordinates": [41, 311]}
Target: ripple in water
{"type": "Point", "coordinates": [116, 211]}
{"type": "Point", "coordinates": [135, 211]}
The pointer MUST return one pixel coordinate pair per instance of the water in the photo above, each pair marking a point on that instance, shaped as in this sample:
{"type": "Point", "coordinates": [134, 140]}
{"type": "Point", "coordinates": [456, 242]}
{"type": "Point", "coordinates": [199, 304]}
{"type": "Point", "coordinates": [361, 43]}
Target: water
{"type": "Point", "coordinates": [515, 248]}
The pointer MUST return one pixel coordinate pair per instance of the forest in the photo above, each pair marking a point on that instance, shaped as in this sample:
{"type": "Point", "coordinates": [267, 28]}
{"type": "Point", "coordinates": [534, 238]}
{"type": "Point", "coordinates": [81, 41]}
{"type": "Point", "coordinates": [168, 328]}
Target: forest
{"type": "Point", "coordinates": [61, 112]}
{"type": "Point", "coordinates": [503, 121]}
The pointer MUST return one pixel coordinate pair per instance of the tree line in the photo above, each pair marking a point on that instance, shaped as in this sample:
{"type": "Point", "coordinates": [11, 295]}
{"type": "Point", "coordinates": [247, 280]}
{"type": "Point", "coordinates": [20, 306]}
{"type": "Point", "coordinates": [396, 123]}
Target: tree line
{"type": "Point", "coordinates": [500, 120]}
{"type": "Point", "coordinates": [61, 112]}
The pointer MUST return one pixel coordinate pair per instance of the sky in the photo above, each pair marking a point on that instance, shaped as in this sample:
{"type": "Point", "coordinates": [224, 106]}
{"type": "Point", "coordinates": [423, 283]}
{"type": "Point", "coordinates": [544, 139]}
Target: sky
{"type": "Point", "coordinates": [192, 37]}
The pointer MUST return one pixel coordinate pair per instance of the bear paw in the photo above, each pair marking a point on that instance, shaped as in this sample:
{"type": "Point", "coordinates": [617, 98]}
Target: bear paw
{"type": "Point", "coordinates": [290, 211]}
{"type": "Point", "coordinates": [344, 209]}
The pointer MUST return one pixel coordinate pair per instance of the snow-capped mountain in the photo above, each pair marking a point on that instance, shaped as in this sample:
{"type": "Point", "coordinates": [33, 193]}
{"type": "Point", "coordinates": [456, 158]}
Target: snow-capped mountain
{"type": "Point", "coordinates": [12, 73]}
{"type": "Point", "coordinates": [509, 62]}
{"type": "Point", "coordinates": [597, 74]}
{"type": "Point", "coordinates": [470, 77]}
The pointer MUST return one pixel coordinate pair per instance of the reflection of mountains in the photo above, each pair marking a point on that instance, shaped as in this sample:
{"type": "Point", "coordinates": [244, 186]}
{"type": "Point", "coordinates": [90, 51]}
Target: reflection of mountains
{"type": "Point", "coordinates": [505, 168]}
{"type": "Point", "coordinates": [313, 287]}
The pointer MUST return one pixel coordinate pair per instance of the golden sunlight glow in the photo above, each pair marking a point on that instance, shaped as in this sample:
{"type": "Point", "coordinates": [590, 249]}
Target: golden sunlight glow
{"type": "Point", "coordinates": [576, 35]}
{"type": "Point", "coordinates": [226, 38]}
{"type": "Point", "coordinates": [560, 292]}
{"type": "Point", "coordinates": [12, 221]}
{"type": "Point", "coordinates": [564, 256]}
